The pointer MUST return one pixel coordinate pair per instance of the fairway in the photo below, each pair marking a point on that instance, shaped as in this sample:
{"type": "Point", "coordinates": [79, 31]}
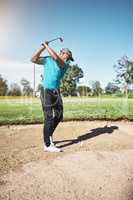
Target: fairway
{"type": "Point", "coordinates": [24, 110]}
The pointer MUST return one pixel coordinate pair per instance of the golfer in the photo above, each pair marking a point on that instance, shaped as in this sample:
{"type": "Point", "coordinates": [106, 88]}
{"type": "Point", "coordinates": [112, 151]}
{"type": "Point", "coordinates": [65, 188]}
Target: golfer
{"type": "Point", "coordinates": [54, 67]}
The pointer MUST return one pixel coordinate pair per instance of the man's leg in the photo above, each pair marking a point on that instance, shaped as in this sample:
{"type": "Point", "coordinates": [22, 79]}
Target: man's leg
{"type": "Point", "coordinates": [49, 122]}
{"type": "Point", "coordinates": [48, 116]}
{"type": "Point", "coordinates": [53, 113]}
{"type": "Point", "coordinates": [58, 111]}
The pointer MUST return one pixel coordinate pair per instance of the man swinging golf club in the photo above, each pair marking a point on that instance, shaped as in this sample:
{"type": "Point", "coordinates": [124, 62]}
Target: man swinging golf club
{"type": "Point", "coordinates": [54, 67]}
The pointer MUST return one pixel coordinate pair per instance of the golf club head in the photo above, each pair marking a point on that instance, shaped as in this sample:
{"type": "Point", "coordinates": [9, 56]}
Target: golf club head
{"type": "Point", "coordinates": [61, 39]}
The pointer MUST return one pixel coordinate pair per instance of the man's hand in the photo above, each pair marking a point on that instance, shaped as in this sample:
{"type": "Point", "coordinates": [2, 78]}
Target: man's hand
{"type": "Point", "coordinates": [53, 54]}
{"type": "Point", "coordinates": [45, 44]}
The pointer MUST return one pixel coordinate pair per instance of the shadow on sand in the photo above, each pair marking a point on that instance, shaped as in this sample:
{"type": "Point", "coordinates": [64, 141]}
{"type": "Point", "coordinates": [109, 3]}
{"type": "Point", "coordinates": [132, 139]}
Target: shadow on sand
{"type": "Point", "coordinates": [93, 133]}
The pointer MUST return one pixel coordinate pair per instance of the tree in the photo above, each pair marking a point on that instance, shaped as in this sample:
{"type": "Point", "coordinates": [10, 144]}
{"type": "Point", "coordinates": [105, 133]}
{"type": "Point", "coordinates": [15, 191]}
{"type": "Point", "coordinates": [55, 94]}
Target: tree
{"type": "Point", "coordinates": [15, 90]}
{"type": "Point", "coordinates": [70, 80]}
{"type": "Point", "coordinates": [124, 73]}
{"type": "Point", "coordinates": [27, 90]}
{"type": "Point", "coordinates": [84, 90]}
{"type": "Point", "coordinates": [111, 88]}
{"type": "Point", "coordinates": [3, 86]}
{"type": "Point", "coordinates": [96, 87]}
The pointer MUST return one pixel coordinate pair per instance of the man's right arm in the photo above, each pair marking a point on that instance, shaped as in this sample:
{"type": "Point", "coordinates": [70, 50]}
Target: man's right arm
{"type": "Point", "coordinates": [36, 56]}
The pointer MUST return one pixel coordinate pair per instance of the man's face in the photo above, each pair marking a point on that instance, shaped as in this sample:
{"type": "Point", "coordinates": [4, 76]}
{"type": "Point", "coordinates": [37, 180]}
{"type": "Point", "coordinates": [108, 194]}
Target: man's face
{"type": "Point", "coordinates": [64, 56]}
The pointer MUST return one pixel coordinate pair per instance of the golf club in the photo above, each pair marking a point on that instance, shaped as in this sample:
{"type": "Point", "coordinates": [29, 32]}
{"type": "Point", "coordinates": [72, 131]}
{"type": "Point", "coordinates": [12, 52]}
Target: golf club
{"type": "Point", "coordinates": [58, 38]}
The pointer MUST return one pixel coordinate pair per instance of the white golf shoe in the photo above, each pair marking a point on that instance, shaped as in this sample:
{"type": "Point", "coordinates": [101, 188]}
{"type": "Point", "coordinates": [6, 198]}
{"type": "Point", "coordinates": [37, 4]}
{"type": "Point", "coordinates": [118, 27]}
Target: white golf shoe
{"type": "Point", "coordinates": [52, 148]}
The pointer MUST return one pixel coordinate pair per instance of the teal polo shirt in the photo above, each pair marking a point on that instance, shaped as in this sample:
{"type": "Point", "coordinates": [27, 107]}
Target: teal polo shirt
{"type": "Point", "coordinates": [52, 72]}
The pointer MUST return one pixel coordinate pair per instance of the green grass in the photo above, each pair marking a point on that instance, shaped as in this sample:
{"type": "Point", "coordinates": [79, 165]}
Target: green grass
{"type": "Point", "coordinates": [28, 110]}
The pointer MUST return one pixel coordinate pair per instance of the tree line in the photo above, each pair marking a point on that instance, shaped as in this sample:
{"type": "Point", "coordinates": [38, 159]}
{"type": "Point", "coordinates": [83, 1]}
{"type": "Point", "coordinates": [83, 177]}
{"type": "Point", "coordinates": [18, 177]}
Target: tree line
{"type": "Point", "coordinates": [14, 89]}
{"type": "Point", "coordinates": [122, 84]}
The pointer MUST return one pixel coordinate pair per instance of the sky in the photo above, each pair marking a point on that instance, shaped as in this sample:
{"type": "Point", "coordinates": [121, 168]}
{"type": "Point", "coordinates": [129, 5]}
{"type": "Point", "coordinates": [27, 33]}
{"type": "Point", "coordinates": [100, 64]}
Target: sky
{"type": "Point", "coordinates": [98, 32]}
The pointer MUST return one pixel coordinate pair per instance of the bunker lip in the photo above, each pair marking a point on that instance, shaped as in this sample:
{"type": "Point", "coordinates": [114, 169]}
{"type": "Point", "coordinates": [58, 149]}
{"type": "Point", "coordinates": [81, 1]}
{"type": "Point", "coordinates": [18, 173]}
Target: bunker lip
{"type": "Point", "coordinates": [25, 122]}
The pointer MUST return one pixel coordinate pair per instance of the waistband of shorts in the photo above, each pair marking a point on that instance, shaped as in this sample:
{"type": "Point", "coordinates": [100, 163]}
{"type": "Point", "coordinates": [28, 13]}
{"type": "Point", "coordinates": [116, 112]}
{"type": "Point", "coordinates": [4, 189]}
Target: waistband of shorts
{"type": "Point", "coordinates": [52, 89]}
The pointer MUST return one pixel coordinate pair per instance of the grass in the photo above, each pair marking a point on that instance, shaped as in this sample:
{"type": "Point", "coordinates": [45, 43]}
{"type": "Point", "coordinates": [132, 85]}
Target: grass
{"type": "Point", "coordinates": [24, 110]}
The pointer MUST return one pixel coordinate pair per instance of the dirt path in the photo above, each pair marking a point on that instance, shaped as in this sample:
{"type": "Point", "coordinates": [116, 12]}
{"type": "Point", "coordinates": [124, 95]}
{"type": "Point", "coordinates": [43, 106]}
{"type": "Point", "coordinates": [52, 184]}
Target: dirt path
{"type": "Point", "coordinates": [97, 162]}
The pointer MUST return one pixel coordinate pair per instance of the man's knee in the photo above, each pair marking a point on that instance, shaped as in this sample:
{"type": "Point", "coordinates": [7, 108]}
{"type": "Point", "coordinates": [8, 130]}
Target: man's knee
{"type": "Point", "coordinates": [59, 114]}
{"type": "Point", "coordinates": [48, 115]}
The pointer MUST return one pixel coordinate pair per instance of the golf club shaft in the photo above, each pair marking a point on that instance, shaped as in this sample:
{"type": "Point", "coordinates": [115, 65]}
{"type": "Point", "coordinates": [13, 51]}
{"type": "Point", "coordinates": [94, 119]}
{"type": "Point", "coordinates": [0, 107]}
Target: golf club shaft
{"type": "Point", "coordinates": [53, 40]}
